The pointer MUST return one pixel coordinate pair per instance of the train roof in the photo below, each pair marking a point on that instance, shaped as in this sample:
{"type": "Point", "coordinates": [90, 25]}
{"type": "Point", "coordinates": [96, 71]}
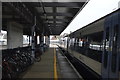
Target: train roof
{"type": "Point", "coordinates": [78, 32]}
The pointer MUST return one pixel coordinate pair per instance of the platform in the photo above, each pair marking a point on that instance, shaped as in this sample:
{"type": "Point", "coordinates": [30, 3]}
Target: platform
{"type": "Point", "coordinates": [42, 69]}
{"type": "Point", "coordinates": [52, 65]}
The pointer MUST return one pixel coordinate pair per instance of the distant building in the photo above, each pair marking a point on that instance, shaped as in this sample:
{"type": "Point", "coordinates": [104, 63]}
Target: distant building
{"type": "Point", "coordinates": [3, 39]}
{"type": "Point", "coordinates": [54, 38]}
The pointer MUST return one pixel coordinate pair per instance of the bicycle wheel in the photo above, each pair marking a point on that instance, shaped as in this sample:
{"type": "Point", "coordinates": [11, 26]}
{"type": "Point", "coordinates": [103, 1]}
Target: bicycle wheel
{"type": "Point", "coordinates": [38, 59]}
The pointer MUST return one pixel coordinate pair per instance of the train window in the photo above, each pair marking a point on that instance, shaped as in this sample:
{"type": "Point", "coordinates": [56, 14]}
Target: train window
{"type": "Point", "coordinates": [106, 46]}
{"type": "Point", "coordinates": [115, 49]}
{"type": "Point", "coordinates": [70, 43]}
{"type": "Point", "coordinates": [73, 42]}
{"type": "Point", "coordinates": [80, 42]}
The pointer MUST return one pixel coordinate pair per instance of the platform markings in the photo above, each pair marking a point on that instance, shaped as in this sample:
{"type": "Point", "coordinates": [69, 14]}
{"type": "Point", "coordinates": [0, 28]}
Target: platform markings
{"type": "Point", "coordinates": [55, 66]}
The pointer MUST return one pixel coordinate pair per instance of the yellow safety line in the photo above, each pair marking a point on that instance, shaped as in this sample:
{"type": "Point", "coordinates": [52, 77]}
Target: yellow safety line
{"type": "Point", "coordinates": [55, 66]}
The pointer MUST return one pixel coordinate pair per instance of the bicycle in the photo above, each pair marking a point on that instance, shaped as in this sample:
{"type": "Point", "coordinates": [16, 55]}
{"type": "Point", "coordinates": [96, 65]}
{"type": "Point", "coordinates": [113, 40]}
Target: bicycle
{"type": "Point", "coordinates": [38, 54]}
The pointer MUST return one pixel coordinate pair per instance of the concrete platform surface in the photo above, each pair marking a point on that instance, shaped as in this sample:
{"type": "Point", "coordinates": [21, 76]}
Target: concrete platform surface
{"type": "Point", "coordinates": [53, 65]}
{"type": "Point", "coordinates": [42, 69]}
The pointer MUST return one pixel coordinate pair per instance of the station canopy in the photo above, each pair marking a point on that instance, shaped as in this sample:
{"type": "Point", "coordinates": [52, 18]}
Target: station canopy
{"type": "Point", "coordinates": [53, 16]}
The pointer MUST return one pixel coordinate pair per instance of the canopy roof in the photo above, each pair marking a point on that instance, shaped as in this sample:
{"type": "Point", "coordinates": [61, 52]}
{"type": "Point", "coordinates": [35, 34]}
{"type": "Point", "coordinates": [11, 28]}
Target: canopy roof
{"type": "Point", "coordinates": [52, 17]}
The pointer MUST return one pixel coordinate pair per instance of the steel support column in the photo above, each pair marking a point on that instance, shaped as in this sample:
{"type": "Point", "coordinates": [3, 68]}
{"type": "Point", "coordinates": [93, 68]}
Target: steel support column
{"type": "Point", "coordinates": [36, 39]}
{"type": "Point", "coordinates": [40, 39]}
{"type": "Point", "coordinates": [29, 40]}
{"type": "Point", "coordinates": [42, 42]}
{"type": "Point", "coordinates": [0, 32]}
{"type": "Point", "coordinates": [33, 39]}
{"type": "Point", "coordinates": [48, 40]}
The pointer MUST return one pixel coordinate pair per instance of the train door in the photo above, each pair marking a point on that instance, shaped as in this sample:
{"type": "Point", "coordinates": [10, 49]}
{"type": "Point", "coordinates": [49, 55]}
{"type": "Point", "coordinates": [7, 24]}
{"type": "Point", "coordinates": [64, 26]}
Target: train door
{"type": "Point", "coordinates": [106, 50]}
{"type": "Point", "coordinates": [110, 61]}
{"type": "Point", "coordinates": [115, 45]}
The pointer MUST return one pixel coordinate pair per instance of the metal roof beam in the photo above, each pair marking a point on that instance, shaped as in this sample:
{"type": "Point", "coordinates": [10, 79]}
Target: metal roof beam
{"type": "Point", "coordinates": [55, 23]}
{"type": "Point", "coordinates": [56, 26]}
{"type": "Point", "coordinates": [58, 14]}
{"type": "Point", "coordinates": [62, 4]}
{"type": "Point", "coordinates": [63, 20]}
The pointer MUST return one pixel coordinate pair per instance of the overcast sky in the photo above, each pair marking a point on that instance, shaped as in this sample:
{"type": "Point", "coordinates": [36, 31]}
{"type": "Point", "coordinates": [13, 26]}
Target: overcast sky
{"type": "Point", "coordinates": [94, 10]}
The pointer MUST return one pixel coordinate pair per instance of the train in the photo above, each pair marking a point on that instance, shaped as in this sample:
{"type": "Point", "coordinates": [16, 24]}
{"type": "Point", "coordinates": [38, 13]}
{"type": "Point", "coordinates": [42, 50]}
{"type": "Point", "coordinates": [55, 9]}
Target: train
{"type": "Point", "coordinates": [97, 45]}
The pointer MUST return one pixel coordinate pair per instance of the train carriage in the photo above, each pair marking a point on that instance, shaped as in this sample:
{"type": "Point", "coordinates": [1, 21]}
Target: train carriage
{"type": "Point", "coordinates": [97, 45]}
